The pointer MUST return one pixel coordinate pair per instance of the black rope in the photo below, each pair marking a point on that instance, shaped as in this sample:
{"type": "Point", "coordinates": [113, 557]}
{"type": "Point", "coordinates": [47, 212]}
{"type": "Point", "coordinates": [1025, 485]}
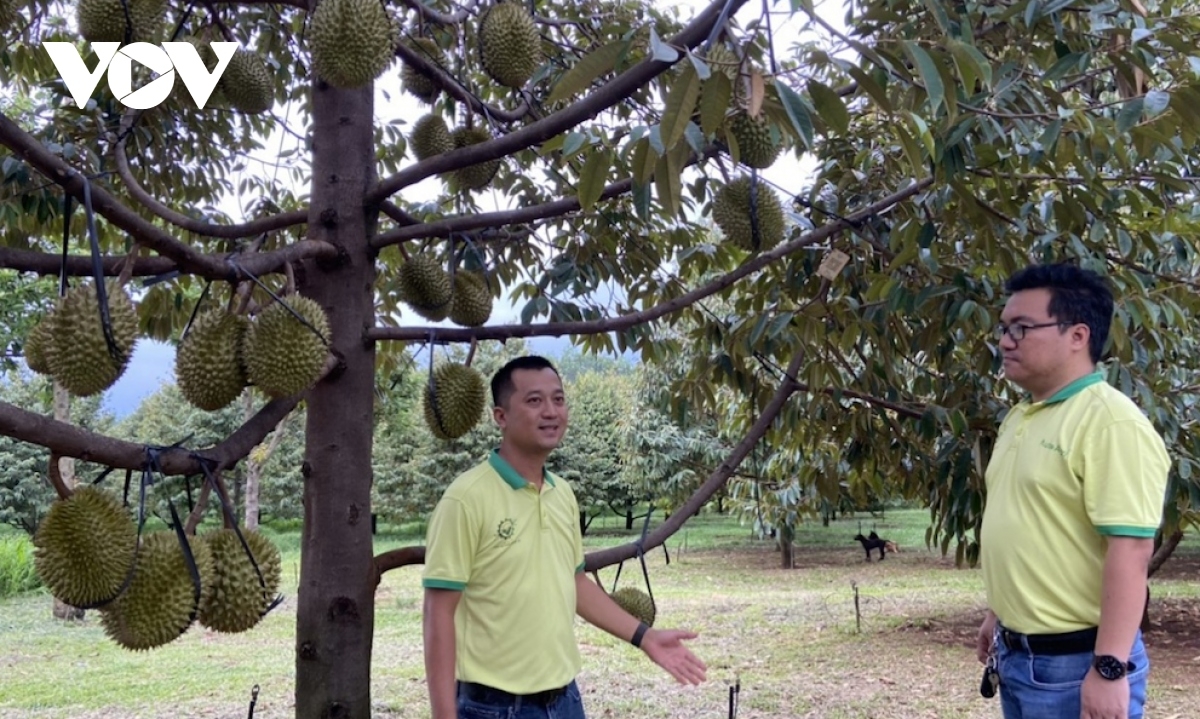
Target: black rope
{"type": "Point", "coordinates": [253, 701]}
{"type": "Point", "coordinates": [755, 233]}
{"type": "Point", "coordinates": [152, 465]}
{"type": "Point", "coordinates": [770, 39]}
{"type": "Point", "coordinates": [433, 396]}
{"type": "Point", "coordinates": [98, 275]}
{"type": "Point", "coordinates": [195, 310]}
{"type": "Point", "coordinates": [242, 270]}
{"type": "Point", "coordinates": [68, 209]}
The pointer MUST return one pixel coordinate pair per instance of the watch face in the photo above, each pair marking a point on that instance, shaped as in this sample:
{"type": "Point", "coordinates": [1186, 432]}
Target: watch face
{"type": "Point", "coordinates": [1109, 667]}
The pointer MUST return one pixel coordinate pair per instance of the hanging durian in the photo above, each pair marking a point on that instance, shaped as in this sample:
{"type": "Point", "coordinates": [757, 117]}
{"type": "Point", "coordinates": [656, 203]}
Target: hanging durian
{"type": "Point", "coordinates": [424, 285]}
{"type": "Point", "coordinates": [731, 211]}
{"type": "Point", "coordinates": [454, 401]}
{"type": "Point", "coordinates": [284, 356]}
{"type": "Point", "coordinates": [471, 303]}
{"type": "Point", "coordinates": [238, 600]}
{"type": "Point", "coordinates": [78, 353]}
{"type": "Point", "coordinates": [352, 41]}
{"type": "Point", "coordinates": [83, 548]}
{"type": "Point", "coordinates": [208, 364]}
{"type": "Point", "coordinates": [430, 137]}
{"type": "Point", "coordinates": [510, 48]}
{"type": "Point", "coordinates": [479, 175]}
{"type": "Point", "coordinates": [105, 21]}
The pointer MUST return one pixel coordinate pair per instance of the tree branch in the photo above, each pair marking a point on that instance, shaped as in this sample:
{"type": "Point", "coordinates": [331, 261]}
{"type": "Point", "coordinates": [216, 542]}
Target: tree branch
{"type": "Point", "coordinates": [406, 556]}
{"type": "Point", "coordinates": [68, 440]}
{"type": "Point", "coordinates": [441, 18]}
{"type": "Point", "coordinates": [191, 224]}
{"type": "Point", "coordinates": [622, 322]}
{"type": "Point", "coordinates": [612, 93]}
{"type": "Point", "coordinates": [186, 258]}
{"type": "Point", "coordinates": [455, 89]}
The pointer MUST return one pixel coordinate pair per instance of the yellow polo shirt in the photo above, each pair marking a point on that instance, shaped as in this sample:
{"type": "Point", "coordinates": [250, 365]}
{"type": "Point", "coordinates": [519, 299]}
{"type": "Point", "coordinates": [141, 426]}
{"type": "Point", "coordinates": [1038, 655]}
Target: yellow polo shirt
{"type": "Point", "coordinates": [1066, 473]}
{"type": "Point", "coordinates": [513, 552]}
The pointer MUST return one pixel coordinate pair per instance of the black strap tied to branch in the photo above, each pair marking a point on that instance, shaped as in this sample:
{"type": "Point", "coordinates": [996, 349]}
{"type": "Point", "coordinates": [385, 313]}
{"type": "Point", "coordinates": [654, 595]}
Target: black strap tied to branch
{"type": "Point", "coordinates": [243, 271]}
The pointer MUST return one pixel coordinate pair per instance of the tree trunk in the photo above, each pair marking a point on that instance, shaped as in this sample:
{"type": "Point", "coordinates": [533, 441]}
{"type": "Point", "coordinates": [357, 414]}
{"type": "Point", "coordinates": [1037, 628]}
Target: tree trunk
{"type": "Point", "coordinates": [253, 471]}
{"type": "Point", "coordinates": [1163, 550]}
{"type": "Point", "coordinates": [787, 547]}
{"type": "Point", "coordinates": [335, 617]}
{"type": "Point", "coordinates": [66, 465]}
{"type": "Point", "coordinates": [628, 519]}
{"type": "Point", "coordinates": [583, 523]}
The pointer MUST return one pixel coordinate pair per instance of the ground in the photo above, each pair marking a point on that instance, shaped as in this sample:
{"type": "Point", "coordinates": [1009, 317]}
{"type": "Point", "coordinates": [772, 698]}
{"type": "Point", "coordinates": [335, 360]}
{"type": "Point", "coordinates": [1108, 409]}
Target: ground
{"type": "Point", "coordinates": [789, 638]}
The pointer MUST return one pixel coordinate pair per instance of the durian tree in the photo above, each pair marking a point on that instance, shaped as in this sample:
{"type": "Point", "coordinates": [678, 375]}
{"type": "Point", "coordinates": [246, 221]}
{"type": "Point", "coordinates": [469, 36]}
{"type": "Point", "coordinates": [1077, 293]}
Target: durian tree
{"type": "Point", "coordinates": [954, 142]}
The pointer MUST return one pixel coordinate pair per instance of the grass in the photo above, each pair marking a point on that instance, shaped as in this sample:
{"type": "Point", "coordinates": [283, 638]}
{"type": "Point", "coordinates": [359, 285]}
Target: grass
{"type": "Point", "coordinates": [17, 574]}
{"type": "Point", "coordinates": [790, 637]}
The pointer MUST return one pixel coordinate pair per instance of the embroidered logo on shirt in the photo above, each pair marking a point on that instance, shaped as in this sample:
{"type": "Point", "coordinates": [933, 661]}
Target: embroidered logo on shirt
{"type": "Point", "coordinates": [506, 529]}
{"type": "Point", "coordinates": [1054, 447]}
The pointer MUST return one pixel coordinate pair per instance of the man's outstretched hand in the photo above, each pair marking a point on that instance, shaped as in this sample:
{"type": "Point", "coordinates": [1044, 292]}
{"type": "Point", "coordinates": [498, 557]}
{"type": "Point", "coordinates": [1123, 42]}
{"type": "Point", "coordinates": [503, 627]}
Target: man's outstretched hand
{"type": "Point", "coordinates": [666, 649]}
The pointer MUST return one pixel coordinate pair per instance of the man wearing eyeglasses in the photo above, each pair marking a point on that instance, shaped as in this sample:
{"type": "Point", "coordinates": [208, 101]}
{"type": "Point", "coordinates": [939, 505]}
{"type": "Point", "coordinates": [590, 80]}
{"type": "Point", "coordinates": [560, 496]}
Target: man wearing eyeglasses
{"type": "Point", "coordinates": [1075, 489]}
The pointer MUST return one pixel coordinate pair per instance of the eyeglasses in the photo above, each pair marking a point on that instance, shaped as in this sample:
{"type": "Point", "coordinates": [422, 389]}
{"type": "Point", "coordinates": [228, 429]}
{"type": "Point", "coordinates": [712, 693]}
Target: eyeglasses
{"type": "Point", "coordinates": [1017, 331]}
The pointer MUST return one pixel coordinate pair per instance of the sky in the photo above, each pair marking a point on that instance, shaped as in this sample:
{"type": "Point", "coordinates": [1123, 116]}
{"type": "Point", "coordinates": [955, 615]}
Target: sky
{"type": "Point", "coordinates": [152, 363]}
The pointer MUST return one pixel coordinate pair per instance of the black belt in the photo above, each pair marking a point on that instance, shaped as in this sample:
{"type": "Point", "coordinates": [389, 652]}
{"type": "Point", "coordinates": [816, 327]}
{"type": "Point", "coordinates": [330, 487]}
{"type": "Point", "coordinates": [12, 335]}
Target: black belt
{"type": "Point", "coordinates": [484, 694]}
{"type": "Point", "coordinates": [1080, 642]}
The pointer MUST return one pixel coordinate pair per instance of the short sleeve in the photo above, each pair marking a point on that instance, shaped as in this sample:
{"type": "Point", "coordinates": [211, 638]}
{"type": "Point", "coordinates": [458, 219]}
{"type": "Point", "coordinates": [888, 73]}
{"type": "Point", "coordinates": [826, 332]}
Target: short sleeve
{"type": "Point", "coordinates": [1125, 481]}
{"type": "Point", "coordinates": [449, 546]}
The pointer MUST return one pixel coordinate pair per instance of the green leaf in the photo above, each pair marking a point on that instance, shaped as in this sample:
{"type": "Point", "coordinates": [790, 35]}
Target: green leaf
{"type": "Point", "coordinates": [660, 50]}
{"type": "Point", "coordinates": [1156, 101]}
{"type": "Point", "coordinates": [972, 65]}
{"type": "Point", "coordinates": [590, 66]}
{"type": "Point", "coordinates": [714, 100]}
{"type": "Point", "coordinates": [930, 76]}
{"type": "Point", "coordinates": [872, 88]}
{"type": "Point", "coordinates": [793, 104]}
{"type": "Point", "coordinates": [669, 184]}
{"type": "Point", "coordinates": [923, 132]}
{"type": "Point", "coordinates": [643, 162]}
{"type": "Point", "coordinates": [592, 178]}
{"type": "Point", "coordinates": [1130, 114]}
{"type": "Point", "coordinates": [939, 14]}
{"type": "Point", "coordinates": [829, 106]}
{"type": "Point", "coordinates": [573, 143]}
{"type": "Point", "coordinates": [681, 103]}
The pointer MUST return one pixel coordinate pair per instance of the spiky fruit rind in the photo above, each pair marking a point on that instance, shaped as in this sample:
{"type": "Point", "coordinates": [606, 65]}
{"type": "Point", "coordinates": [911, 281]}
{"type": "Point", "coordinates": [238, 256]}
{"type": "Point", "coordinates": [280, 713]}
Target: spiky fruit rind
{"type": "Point", "coordinates": [731, 212]}
{"type": "Point", "coordinates": [37, 344]}
{"type": "Point", "coordinates": [471, 304]}
{"type": "Point", "coordinates": [430, 137]}
{"type": "Point", "coordinates": [283, 355]}
{"type": "Point", "coordinates": [78, 354]}
{"type": "Point", "coordinates": [479, 175]}
{"type": "Point", "coordinates": [83, 549]}
{"type": "Point", "coordinates": [105, 21]}
{"type": "Point", "coordinates": [238, 599]}
{"type": "Point", "coordinates": [510, 48]}
{"type": "Point", "coordinates": [9, 12]}
{"type": "Point", "coordinates": [415, 82]}
{"type": "Point", "coordinates": [424, 285]}
{"type": "Point", "coordinates": [455, 402]}
{"type": "Point", "coordinates": [208, 364]}
{"type": "Point", "coordinates": [161, 601]}
{"type": "Point", "coordinates": [637, 603]}
{"type": "Point", "coordinates": [247, 84]}
{"type": "Point", "coordinates": [756, 146]}
{"type": "Point", "coordinates": [352, 41]}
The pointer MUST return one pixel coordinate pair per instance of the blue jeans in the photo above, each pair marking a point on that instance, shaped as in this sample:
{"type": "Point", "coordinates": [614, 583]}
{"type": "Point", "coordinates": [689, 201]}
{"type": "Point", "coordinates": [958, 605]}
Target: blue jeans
{"type": "Point", "coordinates": [568, 706]}
{"type": "Point", "coordinates": [1040, 686]}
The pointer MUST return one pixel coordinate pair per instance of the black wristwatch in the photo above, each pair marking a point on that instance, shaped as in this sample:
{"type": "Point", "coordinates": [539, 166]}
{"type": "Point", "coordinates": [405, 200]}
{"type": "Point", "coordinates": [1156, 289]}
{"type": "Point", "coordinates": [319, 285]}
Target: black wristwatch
{"type": "Point", "coordinates": [1111, 668]}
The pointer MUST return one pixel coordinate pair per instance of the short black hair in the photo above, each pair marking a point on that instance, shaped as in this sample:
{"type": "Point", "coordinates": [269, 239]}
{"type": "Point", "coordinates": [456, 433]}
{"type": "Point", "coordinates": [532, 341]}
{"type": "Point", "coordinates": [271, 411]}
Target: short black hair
{"type": "Point", "coordinates": [502, 383]}
{"type": "Point", "coordinates": [1077, 296]}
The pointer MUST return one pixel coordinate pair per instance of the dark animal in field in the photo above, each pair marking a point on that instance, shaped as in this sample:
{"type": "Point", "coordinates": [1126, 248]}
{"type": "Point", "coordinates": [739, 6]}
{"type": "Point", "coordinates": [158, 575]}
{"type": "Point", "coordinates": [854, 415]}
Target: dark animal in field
{"type": "Point", "coordinates": [875, 542]}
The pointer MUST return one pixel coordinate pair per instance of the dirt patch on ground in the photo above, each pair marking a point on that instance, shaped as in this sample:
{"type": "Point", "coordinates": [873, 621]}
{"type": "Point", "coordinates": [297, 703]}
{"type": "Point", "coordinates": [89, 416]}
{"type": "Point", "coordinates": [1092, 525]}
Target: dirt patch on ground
{"type": "Point", "coordinates": [1173, 641]}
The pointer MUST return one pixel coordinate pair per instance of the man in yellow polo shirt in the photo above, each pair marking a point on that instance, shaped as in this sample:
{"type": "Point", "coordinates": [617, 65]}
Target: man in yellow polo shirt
{"type": "Point", "coordinates": [1075, 490]}
{"type": "Point", "coordinates": [504, 573]}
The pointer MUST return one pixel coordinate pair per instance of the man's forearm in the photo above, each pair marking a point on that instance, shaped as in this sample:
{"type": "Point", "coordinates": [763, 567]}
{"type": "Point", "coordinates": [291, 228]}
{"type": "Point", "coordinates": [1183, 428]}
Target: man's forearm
{"type": "Point", "coordinates": [597, 608]}
{"type": "Point", "coordinates": [438, 627]}
{"type": "Point", "coordinates": [1124, 594]}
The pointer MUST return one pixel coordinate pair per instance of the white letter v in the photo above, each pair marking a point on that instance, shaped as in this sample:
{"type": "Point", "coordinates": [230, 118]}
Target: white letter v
{"type": "Point", "coordinates": [79, 81]}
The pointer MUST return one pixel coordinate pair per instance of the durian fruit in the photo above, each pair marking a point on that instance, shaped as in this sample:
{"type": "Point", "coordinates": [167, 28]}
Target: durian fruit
{"type": "Point", "coordinates": [104, 20]}
{"type": "Point", "coordinates": [455, 401]}
{"type": "Point", "coordinates": [424, 285]}
{"type": "Point", "coordinates": [479, 175]}
{"type": "Point", "coordinates": [9, 12]}
{"type": "Point", "coordinates": [415, 82]}
{"type": "Point", "coordinates": [284, 356]}
{"type": "Point", "coordinates": [352, 41]}
{"type": "Point", "coordinates": [510, 48]}
{"type": "Point", "coordinates": [160, 603]}
{"type": "Point", "coordinates": [430, 137]}
{"type": "Point", "coordinates": [247, 85]}
{"type": "Point", "coordinates": [471, 302]}
{"type": "Point", "coordinates": [83, 549]}
{"type": "Point", "coordinates": [38, 343]}
{"type": "Point", "coordinates": [208, 363]}
{"type": "Point", "coordinates": [238, 601]}
{"type": "Point", "coordinates": [731, 212]}
{"type": "Point", "coordinates": [756, 146]}
{"type": "Point", "coordinates": [78, 353]}
{"type": "Point", "coordinates": [637, 603]}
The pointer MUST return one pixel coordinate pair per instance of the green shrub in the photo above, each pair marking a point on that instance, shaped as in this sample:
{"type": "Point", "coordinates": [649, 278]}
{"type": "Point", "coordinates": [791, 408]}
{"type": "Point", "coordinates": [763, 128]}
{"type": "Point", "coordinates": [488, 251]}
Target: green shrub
{"type": "Point", "coordinates": [16, 567]}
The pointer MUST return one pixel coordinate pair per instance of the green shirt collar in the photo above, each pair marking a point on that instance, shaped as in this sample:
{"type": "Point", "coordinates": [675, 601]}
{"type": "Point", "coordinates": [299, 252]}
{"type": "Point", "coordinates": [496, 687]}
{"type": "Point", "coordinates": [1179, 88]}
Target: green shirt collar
{"type": "Point", "coordinates": [510, 475]}
{"type": "Point", "coordinates": [1076, 387]}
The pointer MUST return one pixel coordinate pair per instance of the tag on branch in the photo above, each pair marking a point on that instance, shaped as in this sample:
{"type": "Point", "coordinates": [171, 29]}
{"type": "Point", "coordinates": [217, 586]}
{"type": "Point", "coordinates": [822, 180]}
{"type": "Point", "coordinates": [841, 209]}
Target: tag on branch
{"type": "Point", "coordinates": [833, 264]}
